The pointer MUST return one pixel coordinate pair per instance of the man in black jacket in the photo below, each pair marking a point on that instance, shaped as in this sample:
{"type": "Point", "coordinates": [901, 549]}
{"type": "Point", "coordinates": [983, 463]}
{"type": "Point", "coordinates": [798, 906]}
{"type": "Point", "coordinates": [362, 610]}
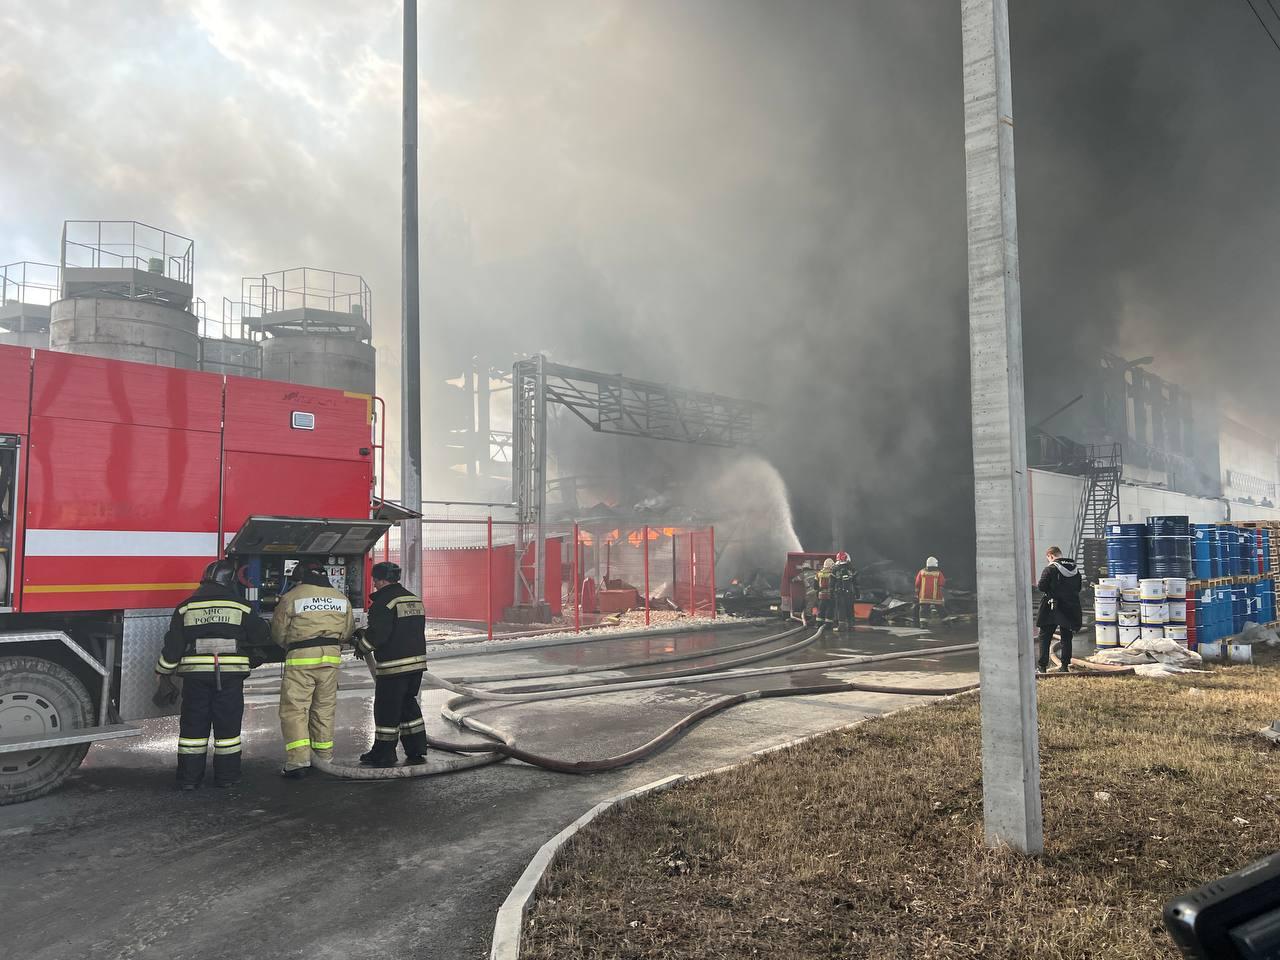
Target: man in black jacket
{"type": "Point", "coordinates": [1059, 587]}
{"type": "Point", "coordinates": [209, 645]}
{"type": "Point", "coordinates": [397, 638]}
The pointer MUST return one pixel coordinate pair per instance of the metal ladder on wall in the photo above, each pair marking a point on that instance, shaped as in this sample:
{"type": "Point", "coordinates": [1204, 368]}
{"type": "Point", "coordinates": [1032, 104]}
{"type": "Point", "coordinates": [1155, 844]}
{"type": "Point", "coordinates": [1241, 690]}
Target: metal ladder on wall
{"type": "Point", "coordinates": [1101, 495]}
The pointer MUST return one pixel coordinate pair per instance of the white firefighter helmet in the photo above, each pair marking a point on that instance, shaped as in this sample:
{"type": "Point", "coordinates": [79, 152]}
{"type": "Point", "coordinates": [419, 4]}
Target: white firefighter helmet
{"type": "Point", "coordinates": [931, 562]}
{"type": "Point", "coordinates": [828, 563]}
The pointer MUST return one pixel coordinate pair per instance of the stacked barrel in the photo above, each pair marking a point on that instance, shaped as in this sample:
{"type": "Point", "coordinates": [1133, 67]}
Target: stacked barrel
{"type": "Point", "coordinates": [1117, 611]}
{"type": "Point", "coordinates": [1217, 577]}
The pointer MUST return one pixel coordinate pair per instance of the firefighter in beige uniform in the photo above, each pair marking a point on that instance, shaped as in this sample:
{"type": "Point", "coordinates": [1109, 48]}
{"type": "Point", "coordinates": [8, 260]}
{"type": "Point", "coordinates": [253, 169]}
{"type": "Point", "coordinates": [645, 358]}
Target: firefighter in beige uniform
{"type": "Point", "coordinates": [311, 622]}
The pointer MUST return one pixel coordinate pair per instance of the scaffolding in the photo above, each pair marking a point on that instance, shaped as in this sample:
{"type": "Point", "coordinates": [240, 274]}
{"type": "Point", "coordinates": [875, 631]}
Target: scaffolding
{"type": "Point", "coordinates": [607, 403]}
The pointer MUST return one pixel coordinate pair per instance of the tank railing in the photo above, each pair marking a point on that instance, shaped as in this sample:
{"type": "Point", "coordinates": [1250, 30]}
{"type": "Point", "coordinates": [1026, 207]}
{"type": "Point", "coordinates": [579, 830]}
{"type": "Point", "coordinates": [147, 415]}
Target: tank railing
{"type": "Point", "coordinates": [30, 282]}
{"type": "Point", "coordinates": [127, 244]}
{"type": "Point", "coordinates": [314, 288]}
{"type": "Point", "coordinates": [232, 325]}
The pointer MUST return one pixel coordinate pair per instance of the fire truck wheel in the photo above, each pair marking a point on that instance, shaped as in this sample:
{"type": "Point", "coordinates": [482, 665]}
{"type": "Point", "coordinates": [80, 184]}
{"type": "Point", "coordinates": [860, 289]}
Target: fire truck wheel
{"type": "Point", "coordinates": [39, 698]}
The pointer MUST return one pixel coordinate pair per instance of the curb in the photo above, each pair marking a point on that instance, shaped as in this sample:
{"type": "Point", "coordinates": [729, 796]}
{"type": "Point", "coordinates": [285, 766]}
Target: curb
{"type": "Point", "coordinates": [509, 925]}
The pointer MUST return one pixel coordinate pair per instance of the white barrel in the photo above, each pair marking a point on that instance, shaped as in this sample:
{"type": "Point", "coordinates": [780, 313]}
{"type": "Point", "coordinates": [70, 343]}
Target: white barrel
{"type": "Point", "coordinates": [1175, 588]}
{"type": "Point", "coordinates": [1152, 633]}
{"type": "Point", "coordinates": [1126, 607]}
{"type": "Point", "coordinates": [1155, 614]}
{"type": "Point", "coordinates": [1151, 589]}
{"type": "Point", "coordinates": [1106, 591]}
{"type": "Point", "coordinates": [1104, 610]}
{"type": "Point", "coordinates": [1128, 618]}
{"type": "Point", "coordinates": [1240, 652]}
{"type": "Point", "coordinates": [1106, 635]}
{"type": "Point", "coordinates": [1129, 580]}
{"type": "Point", "coordinates": [1177, 611]}
{"type": "Point", "coordinates": [1128, 635]}
{"type": "Point", "coordinates": [1176, 632]}
{"type": "Point", "coordinates": [1212, 650]}
{"type": "Point", "coordinates": [1130, 595]}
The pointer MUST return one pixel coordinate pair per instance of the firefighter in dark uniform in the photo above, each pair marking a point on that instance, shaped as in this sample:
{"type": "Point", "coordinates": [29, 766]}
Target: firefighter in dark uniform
{"type": "Point", "coordinates": [208, 646]}
{"type": "Point", "coordinates": [397, 638]}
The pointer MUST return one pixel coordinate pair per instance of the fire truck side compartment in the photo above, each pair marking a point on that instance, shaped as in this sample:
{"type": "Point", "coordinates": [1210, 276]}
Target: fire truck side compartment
{"type": "Point", "coordinates": [132, 477]}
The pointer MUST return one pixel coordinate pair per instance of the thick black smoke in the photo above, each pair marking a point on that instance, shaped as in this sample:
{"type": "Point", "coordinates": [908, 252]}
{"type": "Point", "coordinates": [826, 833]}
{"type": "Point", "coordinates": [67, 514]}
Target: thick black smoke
{"type": "Point", "coordinates": [757, 198]}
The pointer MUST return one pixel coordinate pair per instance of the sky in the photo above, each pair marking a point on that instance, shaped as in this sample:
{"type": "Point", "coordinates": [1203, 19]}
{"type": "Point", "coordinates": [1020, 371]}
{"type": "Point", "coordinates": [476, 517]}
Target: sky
{"type": "Point", "coordinates": [762, 199]}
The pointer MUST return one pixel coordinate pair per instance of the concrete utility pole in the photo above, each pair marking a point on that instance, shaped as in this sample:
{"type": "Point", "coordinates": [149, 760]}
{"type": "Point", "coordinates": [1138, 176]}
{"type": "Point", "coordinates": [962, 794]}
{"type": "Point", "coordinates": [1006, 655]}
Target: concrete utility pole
{"type": "Point", "coordinates": [410, 350]}
{"type": "Point", "coordinates": [1010, 740]}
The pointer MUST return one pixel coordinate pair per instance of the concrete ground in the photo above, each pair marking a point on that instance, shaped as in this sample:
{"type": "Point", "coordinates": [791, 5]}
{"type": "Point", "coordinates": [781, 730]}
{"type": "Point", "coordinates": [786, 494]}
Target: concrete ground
{"type": "Point", "coordinates": [117, 864]}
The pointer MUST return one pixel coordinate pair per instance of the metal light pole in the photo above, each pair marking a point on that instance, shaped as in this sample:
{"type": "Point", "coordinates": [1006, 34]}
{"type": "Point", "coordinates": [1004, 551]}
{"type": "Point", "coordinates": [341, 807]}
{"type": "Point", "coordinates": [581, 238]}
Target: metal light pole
{"type": "Point", "coordinates": [1012, 811]}
{"type": "Point", "coordinates": [410, 350]}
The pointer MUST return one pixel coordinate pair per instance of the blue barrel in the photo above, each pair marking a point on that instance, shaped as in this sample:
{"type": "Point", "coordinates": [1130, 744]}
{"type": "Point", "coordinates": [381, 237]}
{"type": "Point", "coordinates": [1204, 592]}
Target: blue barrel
{"type": "Point", "coordinates": [1211, 615]}
{"type": "Point", "coordinates": [1228, 551]}
{"type": "Point", "coordinates": [1239, 607]}
{"type": "Point", "coordinates": [1202, 544]}
{"type": "Point", "coordinates": [1127, 549]}
{"type": "Point", "coordinates": [1265, 549]}
{"type": "Point", "coordinates": [1250, 552]}
{"type": "Point", "coordinates": [1207, 628]}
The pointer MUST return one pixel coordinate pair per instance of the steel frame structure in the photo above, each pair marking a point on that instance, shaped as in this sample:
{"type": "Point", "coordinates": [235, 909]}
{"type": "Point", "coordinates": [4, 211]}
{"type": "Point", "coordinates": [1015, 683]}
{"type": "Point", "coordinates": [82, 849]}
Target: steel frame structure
{"type": "Point", "coordinates": [607, 403]}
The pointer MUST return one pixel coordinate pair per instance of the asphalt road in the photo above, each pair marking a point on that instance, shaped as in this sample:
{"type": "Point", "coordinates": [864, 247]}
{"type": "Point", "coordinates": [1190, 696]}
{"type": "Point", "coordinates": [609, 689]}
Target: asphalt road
{"type": "Point", "coordinates": [117, 864]}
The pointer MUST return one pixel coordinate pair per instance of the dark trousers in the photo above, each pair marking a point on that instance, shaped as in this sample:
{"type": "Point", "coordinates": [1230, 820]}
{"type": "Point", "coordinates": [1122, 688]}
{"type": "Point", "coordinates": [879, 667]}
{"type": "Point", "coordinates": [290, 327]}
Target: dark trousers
{"type": "Point", "coordinates": [824, 609]}
{"type": "Point", "coordinates": [1046, 641]}
{"type": "Point", "coordinates": [397, 716]}
{"type": "Point", "coordinates": [842, 605]}
{"type": "Point", "coordinates": [931, 608]}
{"type": "Point", "coordinates": [204, 706]}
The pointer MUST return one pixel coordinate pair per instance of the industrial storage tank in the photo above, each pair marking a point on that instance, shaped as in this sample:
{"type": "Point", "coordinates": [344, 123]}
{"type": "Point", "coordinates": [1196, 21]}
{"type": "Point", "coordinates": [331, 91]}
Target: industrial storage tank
{"type": "Point", "coordinates": [126, 290]}
{"type": "Point", "coordinates": [320, 360]}
{"type": "Point", "coordinates": [229, 346]}
{"type": "Point", "coordinates": [240, 358]}
{"type": "Point", "coordinates": [27, 288]}
{"type": "Point", "coordinates": [315, 326]}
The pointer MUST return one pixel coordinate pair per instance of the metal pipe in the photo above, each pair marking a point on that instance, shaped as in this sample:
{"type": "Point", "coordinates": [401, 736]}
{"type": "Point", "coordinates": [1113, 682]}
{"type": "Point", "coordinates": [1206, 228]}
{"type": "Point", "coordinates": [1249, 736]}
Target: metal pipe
{"type": "Point", "coordinates": [411, 352]}
{"type": "Point", "coordinates": [713, 575]}
{"type": "Point", "coordinates": [577, 584]}
{"type": "Point", "coordinates": [646, 575]}
{"type": "Point", "coordinates": [488, 577]}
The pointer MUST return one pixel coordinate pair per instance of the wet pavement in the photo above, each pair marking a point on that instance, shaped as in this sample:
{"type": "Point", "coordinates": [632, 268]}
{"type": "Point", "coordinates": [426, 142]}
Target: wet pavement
{"type": "Point", "coordinates": [117, 864]}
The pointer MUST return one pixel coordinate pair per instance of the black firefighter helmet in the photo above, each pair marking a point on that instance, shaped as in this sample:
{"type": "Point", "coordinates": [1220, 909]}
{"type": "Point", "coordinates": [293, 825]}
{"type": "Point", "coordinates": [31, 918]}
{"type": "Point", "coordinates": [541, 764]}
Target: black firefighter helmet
{"type": "Point", "coordinates": [312, 572]}
{"type": "Point", "coordinates": [222, 572]}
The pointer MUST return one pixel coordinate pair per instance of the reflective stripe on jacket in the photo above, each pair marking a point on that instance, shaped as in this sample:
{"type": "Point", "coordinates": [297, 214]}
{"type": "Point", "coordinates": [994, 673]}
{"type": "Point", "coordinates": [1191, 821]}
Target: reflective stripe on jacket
{"type": "Point", "coordinates": [308, 613]}
{"type": "Point", "coordinates": [929, 584]}
{"type": "Point", "coordinates": [397, 632]}
{"type": "Point", "coordinates": [211, 613]}
{"type": "Point", "coordinates": [824, 584]}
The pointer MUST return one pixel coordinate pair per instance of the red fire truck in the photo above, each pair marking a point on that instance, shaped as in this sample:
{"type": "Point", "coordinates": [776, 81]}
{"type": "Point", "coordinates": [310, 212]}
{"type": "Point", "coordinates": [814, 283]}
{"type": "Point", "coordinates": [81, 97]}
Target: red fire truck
{"type": "Point", "coordinates": [119, 482]}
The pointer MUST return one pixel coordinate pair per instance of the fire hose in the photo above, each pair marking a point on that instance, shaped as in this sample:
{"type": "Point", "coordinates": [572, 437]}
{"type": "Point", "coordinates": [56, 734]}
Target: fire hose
{"type": "Point", "coordinates": [502, 745]}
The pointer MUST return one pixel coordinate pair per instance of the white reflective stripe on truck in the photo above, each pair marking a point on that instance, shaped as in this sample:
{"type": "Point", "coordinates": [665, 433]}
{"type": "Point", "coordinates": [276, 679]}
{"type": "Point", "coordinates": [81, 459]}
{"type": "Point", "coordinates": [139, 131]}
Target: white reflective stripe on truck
{"type": "Point", "coordinates": [120, 543]}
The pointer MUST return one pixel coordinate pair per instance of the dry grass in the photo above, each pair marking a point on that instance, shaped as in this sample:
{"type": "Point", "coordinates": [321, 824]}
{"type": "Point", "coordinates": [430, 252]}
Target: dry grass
{"type": "Point", "coordinates": [868, 843]}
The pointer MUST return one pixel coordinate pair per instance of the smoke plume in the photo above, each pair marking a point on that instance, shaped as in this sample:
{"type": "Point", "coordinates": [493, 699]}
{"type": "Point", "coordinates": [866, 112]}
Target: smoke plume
{"type": "Point", "coordinates": [761, 199]}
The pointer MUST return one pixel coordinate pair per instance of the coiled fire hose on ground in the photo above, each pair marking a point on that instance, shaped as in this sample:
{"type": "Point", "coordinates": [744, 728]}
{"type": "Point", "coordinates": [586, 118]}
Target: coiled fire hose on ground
{"type": "Point", "coordinates": [502, 745]}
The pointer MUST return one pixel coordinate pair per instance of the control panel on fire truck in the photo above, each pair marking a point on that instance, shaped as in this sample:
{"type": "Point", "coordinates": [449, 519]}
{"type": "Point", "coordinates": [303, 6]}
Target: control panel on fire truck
{"type": "Point", "coordinates": [268, 549]}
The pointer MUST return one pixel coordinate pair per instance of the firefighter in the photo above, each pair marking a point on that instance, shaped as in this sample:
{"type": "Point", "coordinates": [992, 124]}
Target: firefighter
{"type": "Point", "coordinates": [823, 578]}
{"type": "Point", "coordinates": [844, 587]}
{"type": "Point", "coordinates": [929, 585]}
{"type": "Point", "coordinates": [207, 645]}
{"type": "Point", "coordinates": [311, 622]}
{"type": "Point", "coordinates": [397, 639]}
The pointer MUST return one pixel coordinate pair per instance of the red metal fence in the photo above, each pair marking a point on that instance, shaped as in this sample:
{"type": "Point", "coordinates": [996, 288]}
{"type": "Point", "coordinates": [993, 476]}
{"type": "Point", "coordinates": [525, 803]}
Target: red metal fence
{"type": "Point", "coordinates": [592, 572]}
